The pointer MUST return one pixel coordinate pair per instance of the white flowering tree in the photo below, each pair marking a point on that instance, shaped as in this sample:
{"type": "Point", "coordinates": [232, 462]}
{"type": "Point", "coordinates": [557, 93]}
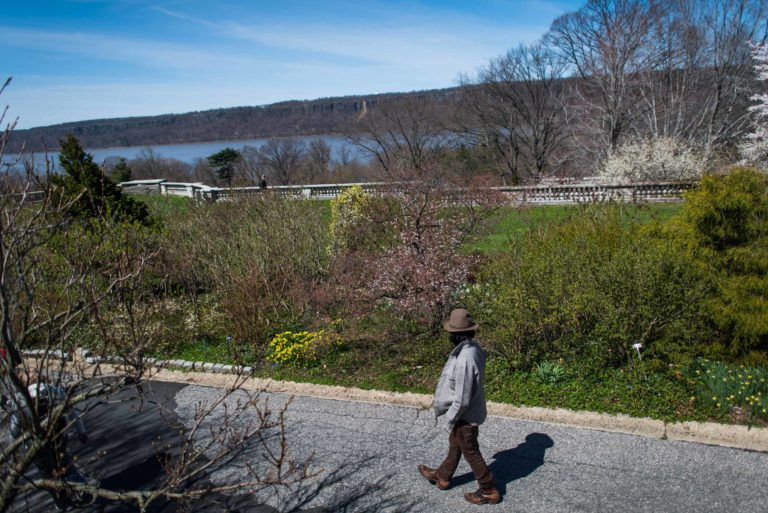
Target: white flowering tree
{"type": "Point", "coordinates": [659, 159]}
{"type": "Point", "coordinates": [754, 150]}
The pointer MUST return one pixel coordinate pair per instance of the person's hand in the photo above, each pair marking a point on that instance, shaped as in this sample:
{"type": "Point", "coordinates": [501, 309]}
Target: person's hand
{"type": "Point", "coordinates": [83, 438]}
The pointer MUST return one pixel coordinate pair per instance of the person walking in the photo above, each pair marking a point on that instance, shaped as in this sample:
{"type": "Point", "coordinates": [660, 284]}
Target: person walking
{"type": "Point", "coordinates": [461, 398]}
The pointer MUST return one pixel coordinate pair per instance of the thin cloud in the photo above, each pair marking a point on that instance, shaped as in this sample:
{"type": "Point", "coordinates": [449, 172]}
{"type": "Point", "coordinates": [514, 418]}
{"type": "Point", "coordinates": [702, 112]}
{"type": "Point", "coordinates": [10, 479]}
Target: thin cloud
{"type": "Point", "coordinates": [142, 53]}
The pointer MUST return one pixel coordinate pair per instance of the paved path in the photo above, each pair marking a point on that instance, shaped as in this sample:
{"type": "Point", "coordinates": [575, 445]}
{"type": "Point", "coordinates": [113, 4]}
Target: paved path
{"type": "Point", "coordinates": [368, 455]}
{"type": "Point", "coordinates": [370, 452]}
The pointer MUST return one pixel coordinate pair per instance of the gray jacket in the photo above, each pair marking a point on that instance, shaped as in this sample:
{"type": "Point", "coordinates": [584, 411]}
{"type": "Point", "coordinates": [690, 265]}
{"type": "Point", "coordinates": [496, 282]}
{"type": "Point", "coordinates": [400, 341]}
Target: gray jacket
{"type": "Point", "coordinates": [460, 391]}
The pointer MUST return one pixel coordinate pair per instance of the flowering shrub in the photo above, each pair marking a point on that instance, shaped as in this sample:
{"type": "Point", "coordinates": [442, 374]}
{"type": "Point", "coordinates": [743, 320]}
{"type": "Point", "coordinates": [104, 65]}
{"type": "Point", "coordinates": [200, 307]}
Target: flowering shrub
{"type": "Point", "coordinates": [348, 213]}
{"type": "Point", "coordinates": [657, 159]}
{"type": "Point", "coordinates": [420, 275]}
{"type": "Point", "coordinates": [301, 348]}
{"type": "Point", "coordinates": [726, 387]}
{"type": "Point", "coordinates": [755, 149]}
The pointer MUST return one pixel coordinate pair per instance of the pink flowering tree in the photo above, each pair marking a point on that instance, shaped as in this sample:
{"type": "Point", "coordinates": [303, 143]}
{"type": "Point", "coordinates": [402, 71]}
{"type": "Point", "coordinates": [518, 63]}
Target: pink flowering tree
{"type": "Point", "coordinates": [417, 270]}
{"type": "Point", "coordinates": [419, 275]}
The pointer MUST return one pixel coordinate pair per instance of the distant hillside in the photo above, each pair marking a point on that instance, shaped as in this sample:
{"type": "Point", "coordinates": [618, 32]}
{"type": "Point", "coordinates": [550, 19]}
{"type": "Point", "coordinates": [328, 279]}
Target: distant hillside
{"type": "Point", "coordinates": [290, 118]}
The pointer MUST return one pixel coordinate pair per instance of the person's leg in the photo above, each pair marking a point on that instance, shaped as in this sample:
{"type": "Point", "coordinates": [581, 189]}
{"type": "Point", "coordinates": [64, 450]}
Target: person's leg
{"type": "Point", "coordinates": [448, 467]}
{"type": "Point", "coordinates": [488, 493]}
{"type": "Point", "coordinates": [470, 448]}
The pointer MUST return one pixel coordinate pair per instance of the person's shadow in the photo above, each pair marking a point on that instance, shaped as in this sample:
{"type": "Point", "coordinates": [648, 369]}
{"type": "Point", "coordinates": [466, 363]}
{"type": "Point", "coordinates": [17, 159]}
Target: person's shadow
{"type": "Point", "coordinates": [513, 464]}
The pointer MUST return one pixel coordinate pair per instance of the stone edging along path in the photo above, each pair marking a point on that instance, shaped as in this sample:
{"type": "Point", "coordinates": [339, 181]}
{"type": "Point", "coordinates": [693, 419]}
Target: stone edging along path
{"type": "Point", "coordinates": [741, 437]}
{"type": "Point", "coordinates": [223, 376]}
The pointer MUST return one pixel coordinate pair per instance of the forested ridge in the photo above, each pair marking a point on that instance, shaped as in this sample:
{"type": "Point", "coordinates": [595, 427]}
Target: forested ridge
{"type": "Point", "coordinates": [283, 119]}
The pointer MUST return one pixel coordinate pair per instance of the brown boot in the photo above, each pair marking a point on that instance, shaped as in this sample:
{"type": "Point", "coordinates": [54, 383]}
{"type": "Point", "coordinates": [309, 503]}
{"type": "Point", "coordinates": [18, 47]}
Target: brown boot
{"type": "Point", "coordinates": [484, 496]}
{"type": "Point", "coordinates": [430, 475]}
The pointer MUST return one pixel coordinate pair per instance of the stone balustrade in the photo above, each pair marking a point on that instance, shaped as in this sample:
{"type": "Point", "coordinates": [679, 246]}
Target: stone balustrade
{"type": "Point", "coordinates": [568, 194]}
{"type": "Point", "coordinates": [534, 194]}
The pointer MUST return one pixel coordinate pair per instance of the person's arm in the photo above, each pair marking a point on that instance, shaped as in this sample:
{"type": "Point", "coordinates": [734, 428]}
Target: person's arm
{"type": "Point", "coordinates": [464, 376]}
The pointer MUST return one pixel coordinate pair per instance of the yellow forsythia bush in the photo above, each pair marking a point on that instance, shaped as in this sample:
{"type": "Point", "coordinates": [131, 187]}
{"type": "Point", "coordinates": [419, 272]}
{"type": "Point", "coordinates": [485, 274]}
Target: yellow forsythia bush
{"type": "Point", "coordinates": [347, 214]}
{"type": "Point", "coordinates": [301, 348]}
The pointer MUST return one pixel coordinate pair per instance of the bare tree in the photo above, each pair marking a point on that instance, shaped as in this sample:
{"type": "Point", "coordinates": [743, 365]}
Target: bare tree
{"type": "Point", "coordinates": [283, 159]}
{"type": "Point", "coordinates": [653, 69]}
{"type": "Point", "coordinates": [319, 156]}
{"type": "Point", "coordinates": [149, 164]}
{"type": "Point", "coordinates": [203, 172]}
{"type": "Point", "coordinates": [696, 88]}
{"type": "Point", "coordinates": [667, 88]}
{"type": "Point", "coordinates": [515, 108]}
{"type": "Point", "coordinates": [402, 137]}
{"type": "Point", "coordinates": [726, 28]}
{"type": "Point", "coordinates": [59, 277]}
{"type": "Point", "coordinates": [605, 42]}
{"type": "Point", "coordinates": [249, 168]}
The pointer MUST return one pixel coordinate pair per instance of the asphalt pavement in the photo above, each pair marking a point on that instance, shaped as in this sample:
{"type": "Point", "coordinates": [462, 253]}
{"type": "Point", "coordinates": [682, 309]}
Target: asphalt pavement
{"type": "Point", "coordinates": [369, 453]}
{"type": "Point", "coordinates": [127, 439]}
{"type": "Point", "coordinates": [365, 456]}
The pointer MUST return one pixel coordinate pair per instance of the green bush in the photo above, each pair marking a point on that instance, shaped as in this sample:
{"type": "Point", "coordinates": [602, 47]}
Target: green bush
{"type": "Point", "coordinates": [589, 289]}
{"type": "Point", "coordinates": [88, 193]}
{"type": "Point", "coordinates": [724, 224]}
{"type": "Point", "coordinates": [728, 211]}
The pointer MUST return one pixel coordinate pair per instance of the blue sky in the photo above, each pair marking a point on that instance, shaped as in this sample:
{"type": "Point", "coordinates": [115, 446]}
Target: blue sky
{"type": "Point", "coordinates": [87, 59]}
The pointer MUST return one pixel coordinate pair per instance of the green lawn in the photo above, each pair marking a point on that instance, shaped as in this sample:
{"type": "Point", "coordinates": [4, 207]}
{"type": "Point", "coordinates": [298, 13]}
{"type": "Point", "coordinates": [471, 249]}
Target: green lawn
{"type": "Point", "coordinates": [166, 206]}
{"type": "Point", "coordinates": [513, 222]}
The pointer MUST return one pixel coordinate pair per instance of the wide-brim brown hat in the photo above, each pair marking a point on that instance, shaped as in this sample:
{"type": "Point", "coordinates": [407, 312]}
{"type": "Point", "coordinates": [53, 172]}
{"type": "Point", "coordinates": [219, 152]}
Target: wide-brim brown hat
{"type": "Point", "coordinates": [459, 321]}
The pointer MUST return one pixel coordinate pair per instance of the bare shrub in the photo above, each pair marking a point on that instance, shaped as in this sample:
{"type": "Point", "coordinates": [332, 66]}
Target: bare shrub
{"type": "Point", "coordinates": [262, 255]}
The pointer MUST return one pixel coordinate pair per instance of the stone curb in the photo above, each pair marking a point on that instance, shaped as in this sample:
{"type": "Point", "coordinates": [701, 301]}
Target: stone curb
{"type": "Point", "coordinates": [740, 437]}
{"type": "Point", "coordinates": [87, 356]}
{"type": "Point", "coordinates": [710, 433]}
{"type": "Point", "coordinates": [218, 375]}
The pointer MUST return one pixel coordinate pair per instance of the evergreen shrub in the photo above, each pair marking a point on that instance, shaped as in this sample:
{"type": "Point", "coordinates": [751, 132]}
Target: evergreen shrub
{"type": "Point", "coordinates": [724, 225]}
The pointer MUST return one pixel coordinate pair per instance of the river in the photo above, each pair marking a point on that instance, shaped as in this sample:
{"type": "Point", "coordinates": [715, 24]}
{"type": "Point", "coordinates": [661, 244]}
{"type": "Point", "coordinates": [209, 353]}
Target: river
{"type": "Point", "coordinates": [191, 152]}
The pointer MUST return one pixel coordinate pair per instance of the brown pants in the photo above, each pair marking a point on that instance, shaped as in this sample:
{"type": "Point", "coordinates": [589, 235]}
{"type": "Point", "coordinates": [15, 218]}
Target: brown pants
{"type": "Point", "coordinates": [463, 440]}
